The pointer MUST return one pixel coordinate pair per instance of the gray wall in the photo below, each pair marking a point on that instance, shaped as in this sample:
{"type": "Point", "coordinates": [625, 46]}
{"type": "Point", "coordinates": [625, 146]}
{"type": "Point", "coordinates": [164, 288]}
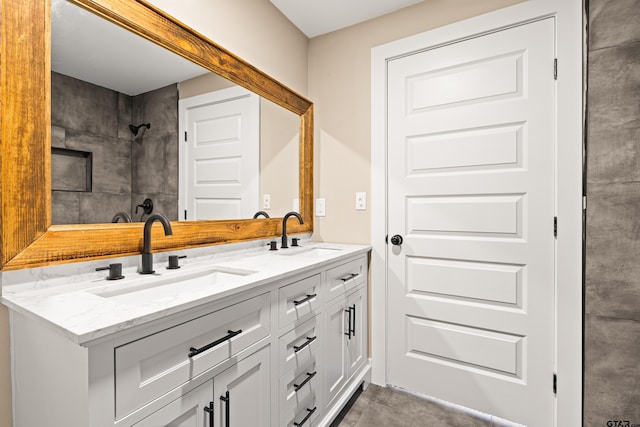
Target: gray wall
{"type": "Point", "coordinates": [612, 323]}
{"type": "Point", "coordinates": [90, 118]}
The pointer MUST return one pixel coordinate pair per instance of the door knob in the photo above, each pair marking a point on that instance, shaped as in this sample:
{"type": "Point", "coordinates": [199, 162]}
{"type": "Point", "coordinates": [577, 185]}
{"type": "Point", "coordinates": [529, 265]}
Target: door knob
{"type": "Point", "coordinates": [396, 240]}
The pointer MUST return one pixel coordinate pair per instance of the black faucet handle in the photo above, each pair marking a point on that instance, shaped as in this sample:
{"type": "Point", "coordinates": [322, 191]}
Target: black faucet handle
{"type": "Point", "coordinates": [115, 271]}
{"type": "Point", "coordinates": [294, 241]}
{"type": "Point", "coordinates": [273, 245]}
{"type": "Point", "coordinates": [147, 206]}
{"type": "Point", "coordinates": [173, 261]}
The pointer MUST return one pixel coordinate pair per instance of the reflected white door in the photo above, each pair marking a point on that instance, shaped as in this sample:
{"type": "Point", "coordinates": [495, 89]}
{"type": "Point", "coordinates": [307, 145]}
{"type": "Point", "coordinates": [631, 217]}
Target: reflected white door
{"type": "Point", "coordinates": [220, 155]}
{"type": "Point", "coordinates": [471, 192]}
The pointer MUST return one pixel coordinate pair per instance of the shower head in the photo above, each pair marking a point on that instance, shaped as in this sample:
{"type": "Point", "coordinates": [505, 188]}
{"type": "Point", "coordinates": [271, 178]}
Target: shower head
{"type": "Point", "coordinates": [139, 130]}
{"type": "Point", "coordinates": [135, 129]}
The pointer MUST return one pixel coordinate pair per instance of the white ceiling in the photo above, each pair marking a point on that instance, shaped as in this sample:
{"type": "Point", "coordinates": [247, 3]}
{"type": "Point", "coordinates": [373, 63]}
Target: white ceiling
{"type": "Point", "coordinates": [92, 49]}
{"type": "Point", "coordinates": [316, 17]}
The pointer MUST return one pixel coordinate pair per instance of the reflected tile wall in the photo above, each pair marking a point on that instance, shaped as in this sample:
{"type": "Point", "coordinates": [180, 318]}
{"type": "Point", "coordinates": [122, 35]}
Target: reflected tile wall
{"type": "Point", "coordinates": [89, 118]}
{"type": "Point", "coordinates": [612, 294]}
{"type": "Point", "coordinates": [155, 156]}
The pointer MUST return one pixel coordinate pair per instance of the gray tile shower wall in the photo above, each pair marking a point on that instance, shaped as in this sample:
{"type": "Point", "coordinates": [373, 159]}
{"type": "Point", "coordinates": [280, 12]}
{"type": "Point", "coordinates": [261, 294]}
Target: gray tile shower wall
{"type": "Point", "coordinates": [93, 119]}
{"type": "Point", "coordinates": [612, 294]}
{"type": "Point", "coordinates": [155, 156]}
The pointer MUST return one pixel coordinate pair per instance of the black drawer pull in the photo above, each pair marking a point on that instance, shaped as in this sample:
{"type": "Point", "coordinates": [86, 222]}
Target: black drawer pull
{"type": "Point", "coordinates": [310, 412]}
{"type": "Point", "coordinates": [297, 348]}
{"type": "Point", "coordinates": [297, 387]}
{"type": "Point", "coordinates": [353, 329]}
{"type": "Point", "coordinates": [349, 330]}
{"type": "Point", "coordinates": [194, 351]}
{"type": "Point", "coordinates": [227, 402]}
{"type": "Point", "coordinates": [309, 296]}
{"type": "Point", "coordinates": [349, 277]}
{"type": "Point", "coordinates": [209, 410]}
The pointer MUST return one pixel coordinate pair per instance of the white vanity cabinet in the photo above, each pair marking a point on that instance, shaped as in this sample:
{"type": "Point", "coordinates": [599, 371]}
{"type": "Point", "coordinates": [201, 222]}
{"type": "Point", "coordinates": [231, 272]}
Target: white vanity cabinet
{"type": "Point", "coordinates": [288, 351]}
{"type": "Point", "coordinates": [346, 340]}
{"type": "Point", "coordinates": [346, 320]}
{"type": "Point", "coordinates": [239, 396]}
{"type": "Point", "coordinates": [300, 366]}
{"type": "Point", "coordinates": [149, 367]}
{"type": "Point", "coordinates": [194, 409]}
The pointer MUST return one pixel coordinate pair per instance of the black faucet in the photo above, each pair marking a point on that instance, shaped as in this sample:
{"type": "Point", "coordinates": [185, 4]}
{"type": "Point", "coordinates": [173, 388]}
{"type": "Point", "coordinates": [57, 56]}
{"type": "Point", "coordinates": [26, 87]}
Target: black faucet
{"type": "Point", "coordinates": [263, 213]}
{"type": "Point", "coordinates": [125, 217]}
{"type": "Point", "coordinates": [284, 244]}
{"type": "Point", "coordinates": [147, 256]}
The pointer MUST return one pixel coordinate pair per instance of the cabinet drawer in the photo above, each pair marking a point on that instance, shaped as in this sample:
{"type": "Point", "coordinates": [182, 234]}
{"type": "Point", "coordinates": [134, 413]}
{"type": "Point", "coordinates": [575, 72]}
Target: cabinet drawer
{"type": "Point", "coordinates": [297, 389]}
{"type": "Point", "coordinates": [298, 300]}
{"type": "Point", "coordinates": [306, 416]}
{"type": "Point", "coordinates": [345, 277]}
{"type": "Point", "coordinates": [299, 346]}
{"type": "Point", "coordinates": [152, 366]}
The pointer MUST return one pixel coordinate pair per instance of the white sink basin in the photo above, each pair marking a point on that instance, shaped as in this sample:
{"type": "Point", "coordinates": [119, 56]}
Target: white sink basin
{"type": "Point", "coordinates": [309, 252]}
{"type": "Point", "coordinates": [149, 289]}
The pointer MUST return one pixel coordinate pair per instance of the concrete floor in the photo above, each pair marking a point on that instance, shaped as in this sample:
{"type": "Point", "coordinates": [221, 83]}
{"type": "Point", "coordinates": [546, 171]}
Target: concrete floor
{"type": "Point", "coordinates": [388, 407]}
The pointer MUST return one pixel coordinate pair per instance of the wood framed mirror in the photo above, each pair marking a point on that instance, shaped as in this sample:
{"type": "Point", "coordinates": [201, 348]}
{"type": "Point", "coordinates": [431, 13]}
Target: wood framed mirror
{"type": "Point", "coordinates": [28, 238]}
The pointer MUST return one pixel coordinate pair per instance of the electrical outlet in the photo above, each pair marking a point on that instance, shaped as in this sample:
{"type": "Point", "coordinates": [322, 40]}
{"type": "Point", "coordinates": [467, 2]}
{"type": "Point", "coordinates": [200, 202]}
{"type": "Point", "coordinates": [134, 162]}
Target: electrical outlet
{"type": "Point", "coordinates": [266, 201]}
{"type": "Point", "coordinates": [361, 201]}
{"type": "Point", "coordinates": [321, 207]}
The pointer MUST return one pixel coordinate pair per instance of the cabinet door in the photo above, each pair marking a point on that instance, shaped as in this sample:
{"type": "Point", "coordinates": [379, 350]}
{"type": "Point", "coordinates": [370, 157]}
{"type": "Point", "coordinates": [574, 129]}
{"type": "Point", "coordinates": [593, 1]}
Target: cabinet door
{"type": "Point", "coordinates": [357, 339]}
{"type": "Point", "coordinates": [187, 411]}
{"type": "Point", "coordinates": [242, 393]}
{"type": "Point", "coordinates": [336, 374]}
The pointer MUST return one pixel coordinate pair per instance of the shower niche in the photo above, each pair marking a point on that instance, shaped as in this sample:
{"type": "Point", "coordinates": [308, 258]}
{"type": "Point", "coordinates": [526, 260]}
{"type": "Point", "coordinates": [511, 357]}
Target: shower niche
{"type": "Point", "coordinates": [71, 170]}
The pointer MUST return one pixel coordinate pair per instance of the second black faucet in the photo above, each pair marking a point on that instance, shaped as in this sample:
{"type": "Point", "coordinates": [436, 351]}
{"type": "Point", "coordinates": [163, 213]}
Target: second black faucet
{"type": "Point", "coordinates": [285, 244]}
{"type": "Point", "coordinates": [147, 256]}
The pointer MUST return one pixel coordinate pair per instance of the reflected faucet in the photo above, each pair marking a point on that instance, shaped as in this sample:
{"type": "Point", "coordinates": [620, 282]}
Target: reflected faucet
{"type": "Point", "coordinates": [147, 256]}
{"type": "Point", "coordinates": [284, 244]}
{"type": "Point", "coordinates": [263, 213]}
{"type": "Point", "coordinates": [121, 216]}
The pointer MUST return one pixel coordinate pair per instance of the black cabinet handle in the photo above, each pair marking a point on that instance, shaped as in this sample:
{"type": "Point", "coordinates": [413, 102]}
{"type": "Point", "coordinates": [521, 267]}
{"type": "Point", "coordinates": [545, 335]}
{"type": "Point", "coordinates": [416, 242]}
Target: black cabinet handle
{"type": "Point", "coordinates": [209, 410]}
{"type": "Point", "coordinates": [308, 297]}
{"type": "Point", "coordinates": [353, 330]}
{"type": "Point", "coordinates": [194, 351]}
{"type": "Point", "coordinates": [309, 413]}
{"type": "Point", "coordinates": [297, 348]}
{"type": "Point", "coordinates": [349, 277]}
{"type": "Point", "coordinates": [227, 403]}
{"type": "Point", "coordinates": [297, 387]}
{"type": "Point", "coordinates": [348, 333]}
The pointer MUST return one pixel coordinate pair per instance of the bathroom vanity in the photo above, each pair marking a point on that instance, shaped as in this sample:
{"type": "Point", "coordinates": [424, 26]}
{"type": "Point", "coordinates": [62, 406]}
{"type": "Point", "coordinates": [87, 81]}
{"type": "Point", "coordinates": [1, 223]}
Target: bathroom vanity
{"type": "Point", "coordinates": [249, 337]}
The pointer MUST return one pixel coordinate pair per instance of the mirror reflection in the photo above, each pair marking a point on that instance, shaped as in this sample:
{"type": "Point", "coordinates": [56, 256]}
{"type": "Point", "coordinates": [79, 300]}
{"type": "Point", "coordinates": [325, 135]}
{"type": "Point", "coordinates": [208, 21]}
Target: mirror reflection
{"type": "Point", "coordinates": [138, 130]}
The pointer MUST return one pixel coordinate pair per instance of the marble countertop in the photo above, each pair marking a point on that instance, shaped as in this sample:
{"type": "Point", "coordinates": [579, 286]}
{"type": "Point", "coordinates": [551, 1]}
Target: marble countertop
{"type": "Point", "coordinates": [84, 306]}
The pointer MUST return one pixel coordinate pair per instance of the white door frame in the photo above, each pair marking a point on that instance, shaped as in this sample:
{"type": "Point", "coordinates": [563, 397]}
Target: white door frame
{"type": "Point", "coordinates": [568, 16]}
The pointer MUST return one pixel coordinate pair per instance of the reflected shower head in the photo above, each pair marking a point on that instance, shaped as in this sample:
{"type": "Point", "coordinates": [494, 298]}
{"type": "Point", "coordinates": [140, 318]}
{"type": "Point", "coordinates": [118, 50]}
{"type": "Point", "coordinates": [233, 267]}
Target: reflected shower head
{"type": "Point", "coordinates": [139, 130]}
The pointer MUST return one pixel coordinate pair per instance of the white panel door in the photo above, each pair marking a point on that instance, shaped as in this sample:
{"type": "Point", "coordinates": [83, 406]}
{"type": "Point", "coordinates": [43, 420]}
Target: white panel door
{"type": "Point", "coordinates": [355, 340]}
{"type": "Point", "coordinates": [194, 409]}
{"type": "Point", "coordinates": [243, 392]}
{"type": "Point", "coordinates": [336, 367]}
{"type": "Point", "coordinates": [471, 192]}
{"type": "Point", "coordinates": [221, 155]}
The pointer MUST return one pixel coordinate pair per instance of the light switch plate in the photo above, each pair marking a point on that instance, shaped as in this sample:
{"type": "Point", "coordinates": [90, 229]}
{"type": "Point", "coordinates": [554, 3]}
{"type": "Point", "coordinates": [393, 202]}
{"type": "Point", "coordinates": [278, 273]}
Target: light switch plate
{"type": "Point", "coordinates": [266, 201]}
{"type": "Point", "coordinates": [296, 205]}
{"type": "Point", "coordinates": [321, 207]}
{"type": "Point", "coordinates": [361, 201]}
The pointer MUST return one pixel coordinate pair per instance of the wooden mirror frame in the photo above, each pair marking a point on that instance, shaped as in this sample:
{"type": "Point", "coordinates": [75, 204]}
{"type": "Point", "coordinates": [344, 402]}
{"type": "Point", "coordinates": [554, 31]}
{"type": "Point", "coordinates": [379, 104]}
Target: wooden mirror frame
{"type": "Point", "coordinates": [28, 238]}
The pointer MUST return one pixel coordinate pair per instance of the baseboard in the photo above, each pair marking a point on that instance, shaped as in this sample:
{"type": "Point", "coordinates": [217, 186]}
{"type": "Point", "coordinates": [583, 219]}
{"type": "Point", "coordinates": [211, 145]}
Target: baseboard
{"type": "Point", "coordinates": [364, 375]}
